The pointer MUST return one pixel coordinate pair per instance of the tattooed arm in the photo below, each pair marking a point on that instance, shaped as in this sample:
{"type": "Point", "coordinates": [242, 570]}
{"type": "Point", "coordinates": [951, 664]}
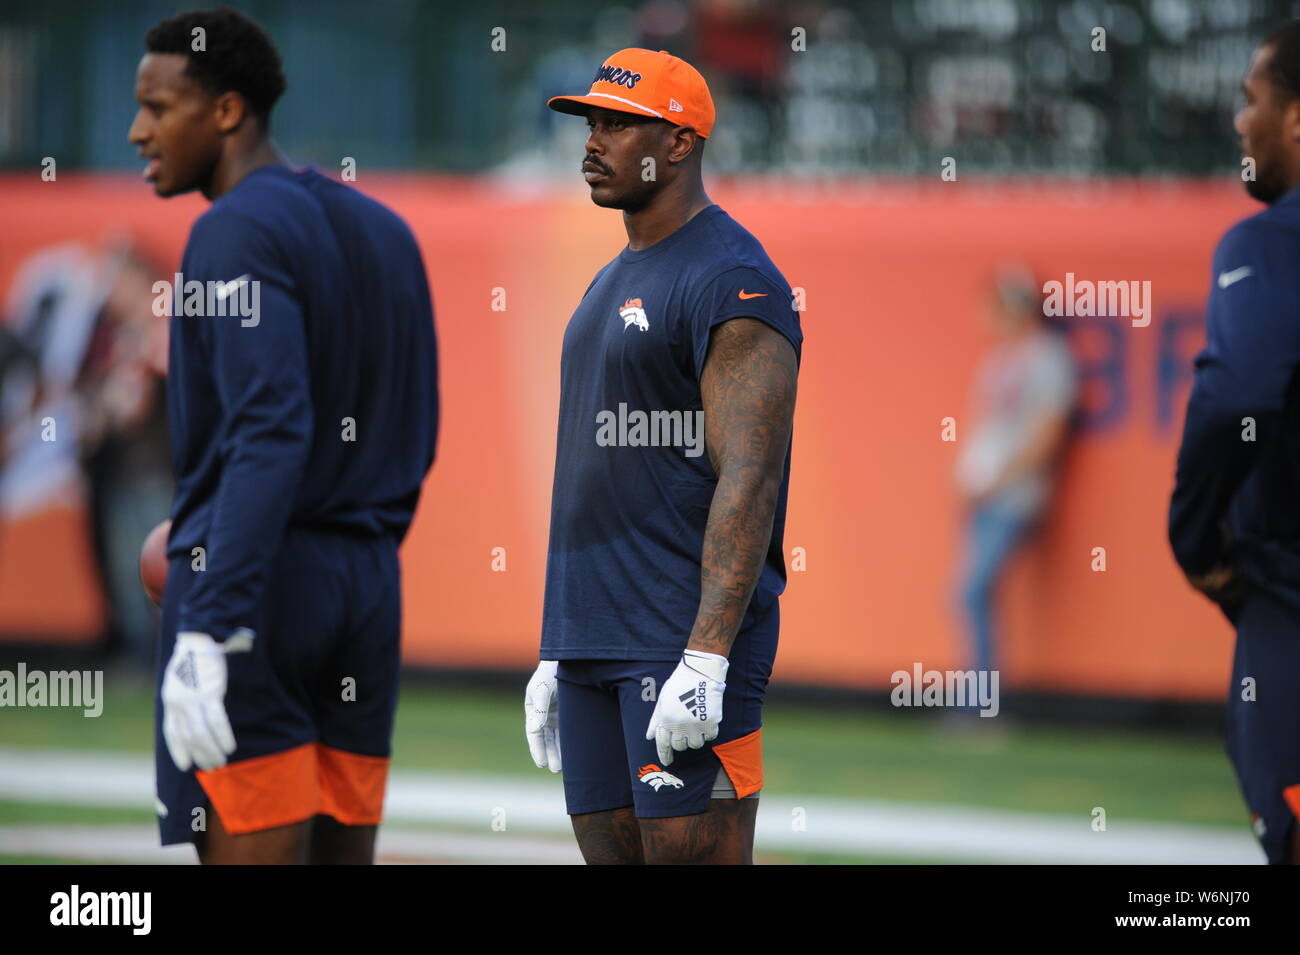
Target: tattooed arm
{"type": "Point", "coordinates": [748, 388]}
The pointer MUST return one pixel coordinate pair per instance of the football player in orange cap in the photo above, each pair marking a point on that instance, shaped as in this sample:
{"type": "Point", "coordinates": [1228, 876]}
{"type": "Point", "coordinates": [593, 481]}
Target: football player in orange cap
{"type": "Point", "coordinates": [672, 466]}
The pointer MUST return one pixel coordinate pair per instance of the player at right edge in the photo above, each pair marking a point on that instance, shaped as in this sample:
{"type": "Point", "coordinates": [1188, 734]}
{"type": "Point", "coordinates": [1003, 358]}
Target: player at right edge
{"type": "Point", "coordinates": [1234, 521]}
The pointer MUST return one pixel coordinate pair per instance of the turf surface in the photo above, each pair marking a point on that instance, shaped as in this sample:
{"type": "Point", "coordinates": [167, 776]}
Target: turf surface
{"type": "Point", "coordinates": [908, 756]}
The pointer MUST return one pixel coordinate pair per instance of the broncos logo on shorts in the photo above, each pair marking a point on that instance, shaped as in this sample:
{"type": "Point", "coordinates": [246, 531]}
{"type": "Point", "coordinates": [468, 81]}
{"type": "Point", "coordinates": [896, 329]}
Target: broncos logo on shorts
{"type": "Point", "coordinates": [633, 314]}
{"type": "Point", "coordinates": [652, 775]}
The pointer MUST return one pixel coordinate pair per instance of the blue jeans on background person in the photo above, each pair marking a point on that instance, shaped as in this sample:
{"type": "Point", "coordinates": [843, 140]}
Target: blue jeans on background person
{"type": "Point", "coordinates": [994, 531]}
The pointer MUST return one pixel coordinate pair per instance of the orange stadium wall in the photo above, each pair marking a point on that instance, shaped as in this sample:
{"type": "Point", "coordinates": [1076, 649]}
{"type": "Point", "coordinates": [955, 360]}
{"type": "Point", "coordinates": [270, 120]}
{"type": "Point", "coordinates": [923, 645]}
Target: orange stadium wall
{"type": "Point", "coordinates": [896, 276]}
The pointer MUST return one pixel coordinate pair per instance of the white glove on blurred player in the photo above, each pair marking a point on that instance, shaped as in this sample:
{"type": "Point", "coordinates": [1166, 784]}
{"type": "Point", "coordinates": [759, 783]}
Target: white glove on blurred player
{"type": "Point", "coordinates": [542, 716]}
{"type": "Point", "coordinates": [195, 725]}
{"type": "Point", "coordinates": [689, 707]}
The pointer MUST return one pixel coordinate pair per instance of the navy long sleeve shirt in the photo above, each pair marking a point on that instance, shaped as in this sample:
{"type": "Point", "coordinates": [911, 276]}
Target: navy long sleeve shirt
{"type": "Point", "coordinates": [313, 401]}
{"type": "Point", "coordinates": [1239, 461]}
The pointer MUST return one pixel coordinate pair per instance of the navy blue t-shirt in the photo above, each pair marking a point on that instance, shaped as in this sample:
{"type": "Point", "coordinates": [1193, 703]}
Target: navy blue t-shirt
{"type": "Point", "coordinates": [317, 408]}
{"type": "Point", "coordinates": [633, 481]}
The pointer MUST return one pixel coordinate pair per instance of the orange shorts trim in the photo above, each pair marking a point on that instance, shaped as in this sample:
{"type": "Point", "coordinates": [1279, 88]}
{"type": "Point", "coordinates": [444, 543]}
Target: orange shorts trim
{"type": "Point", "coordinates": [351, 785]}
{"type": "Point", "coordinates": [283, 788]}
{"type": "Point", "coordinates": [1292, 796]}
{"type": "Point", "coordinates": [743, 760]}
{"type": "Point", "coordinates": [265, 791]}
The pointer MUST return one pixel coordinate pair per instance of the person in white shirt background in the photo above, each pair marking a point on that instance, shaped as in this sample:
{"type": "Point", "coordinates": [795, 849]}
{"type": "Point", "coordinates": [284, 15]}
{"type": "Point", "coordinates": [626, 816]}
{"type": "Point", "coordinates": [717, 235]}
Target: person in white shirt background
{"type": "Point", "coordinates": [1024, 394]}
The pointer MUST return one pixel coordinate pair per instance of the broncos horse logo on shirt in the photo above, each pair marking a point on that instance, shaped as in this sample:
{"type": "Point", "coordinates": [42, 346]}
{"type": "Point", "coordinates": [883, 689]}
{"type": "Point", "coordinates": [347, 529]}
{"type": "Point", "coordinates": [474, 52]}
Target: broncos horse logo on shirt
{"type": "Point", "coordinates": [652, 775]}
{"type": "Point", "coordinates": [633, 314]}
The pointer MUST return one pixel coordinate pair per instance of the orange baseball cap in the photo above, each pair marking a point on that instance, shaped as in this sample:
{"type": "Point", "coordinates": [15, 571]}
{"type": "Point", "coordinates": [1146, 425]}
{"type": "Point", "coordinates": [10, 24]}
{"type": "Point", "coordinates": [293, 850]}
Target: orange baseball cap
{"type": "Point", "coordinates": [648, 84]}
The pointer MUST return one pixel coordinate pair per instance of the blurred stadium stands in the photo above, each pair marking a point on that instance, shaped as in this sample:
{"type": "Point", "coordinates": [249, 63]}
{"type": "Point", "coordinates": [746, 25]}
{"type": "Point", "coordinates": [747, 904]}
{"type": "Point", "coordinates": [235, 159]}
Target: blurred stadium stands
{"type": "Point", "coordinates": [1010, 86]}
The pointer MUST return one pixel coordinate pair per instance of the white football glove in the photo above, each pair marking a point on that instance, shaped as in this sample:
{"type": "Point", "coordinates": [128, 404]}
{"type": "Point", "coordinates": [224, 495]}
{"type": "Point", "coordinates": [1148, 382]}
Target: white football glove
{"type": "Point", "coordinates": [542, 716]}
{"type": "Point", "coordinates": [689, 706]}
{"type": "Point", "coordinates": [195, 726]}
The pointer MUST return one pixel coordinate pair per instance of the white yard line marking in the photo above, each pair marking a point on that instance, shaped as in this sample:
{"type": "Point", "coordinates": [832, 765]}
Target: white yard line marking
{"type": "Point", "coordinates": [832, 826]}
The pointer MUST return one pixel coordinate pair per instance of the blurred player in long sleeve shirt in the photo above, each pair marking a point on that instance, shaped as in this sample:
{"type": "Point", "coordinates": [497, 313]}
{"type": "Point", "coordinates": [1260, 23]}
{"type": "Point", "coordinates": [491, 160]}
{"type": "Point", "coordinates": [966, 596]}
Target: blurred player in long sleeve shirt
{"type": "Point", "coordinates": [302, 401]}
{"type": "Point", "coordinates": [1234, 520]}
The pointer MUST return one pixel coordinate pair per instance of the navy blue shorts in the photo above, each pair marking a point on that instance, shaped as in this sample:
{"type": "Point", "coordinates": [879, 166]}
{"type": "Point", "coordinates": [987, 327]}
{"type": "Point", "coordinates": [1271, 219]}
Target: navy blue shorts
{"type": "Point", "coordinates": [311, 703]}
{"type": "Point", "coordinates": [1263, 734]}
{"type": "Point", "coordinates": [605, 707]}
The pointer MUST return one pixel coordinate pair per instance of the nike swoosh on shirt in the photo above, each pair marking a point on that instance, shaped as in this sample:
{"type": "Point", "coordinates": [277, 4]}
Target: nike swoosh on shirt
{"type": "Point", "coordinates": [744, 294]}
{"type": "Point", "coordinates": [1236, 275]}
{"type": "Point", "coordinates": [233, 285]}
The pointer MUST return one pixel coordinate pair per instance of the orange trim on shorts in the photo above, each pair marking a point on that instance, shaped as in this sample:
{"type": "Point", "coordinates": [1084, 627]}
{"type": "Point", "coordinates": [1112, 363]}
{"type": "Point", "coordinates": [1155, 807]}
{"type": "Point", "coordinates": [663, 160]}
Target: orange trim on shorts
{"type": "Point", "coordinates": [743, 760]}
{"type": "Point", "coordinates": [265, 791]}
{"type": "Point", "coordinates": [283, 788]}
{"type": "Point", "coordinates": [1292, 796]}
{"type": "Point", "coordinates": [351, 785]}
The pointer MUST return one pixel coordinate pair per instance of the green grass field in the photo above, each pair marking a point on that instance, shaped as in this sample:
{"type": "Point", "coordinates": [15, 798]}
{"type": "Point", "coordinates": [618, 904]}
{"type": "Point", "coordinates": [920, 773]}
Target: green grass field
{"type": "Point", "coordinates": [905, 757]}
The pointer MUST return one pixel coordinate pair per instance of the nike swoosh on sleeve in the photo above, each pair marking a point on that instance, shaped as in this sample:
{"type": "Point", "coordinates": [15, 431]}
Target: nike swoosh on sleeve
{"type": "Point", "coordinates": [1236, 275]}
{"type": "Point", "coordinates": [226, 288]}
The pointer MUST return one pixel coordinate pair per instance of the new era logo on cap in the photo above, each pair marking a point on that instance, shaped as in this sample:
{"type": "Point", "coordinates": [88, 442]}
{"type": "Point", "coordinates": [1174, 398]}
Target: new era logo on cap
{"type": "Point", "coordinates": [648, 84]}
